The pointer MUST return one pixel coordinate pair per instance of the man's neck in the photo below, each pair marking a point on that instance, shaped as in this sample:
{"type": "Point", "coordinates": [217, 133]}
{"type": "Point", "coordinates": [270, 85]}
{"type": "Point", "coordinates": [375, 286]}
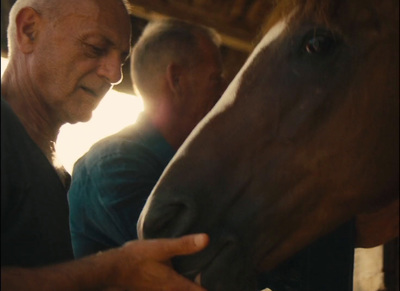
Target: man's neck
{"type": "Point", "coordinates": [171, 126]}
{"type": "Point", "coordinates": [42, 133]}
{"type": "Point", "coordinates": [29, 111]}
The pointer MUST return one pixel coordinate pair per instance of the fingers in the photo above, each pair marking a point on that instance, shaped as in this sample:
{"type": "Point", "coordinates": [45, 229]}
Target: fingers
{"type": "Point", "coordinates": [189, 244]}
{"type": "Point", "coordinates": [149, 270]}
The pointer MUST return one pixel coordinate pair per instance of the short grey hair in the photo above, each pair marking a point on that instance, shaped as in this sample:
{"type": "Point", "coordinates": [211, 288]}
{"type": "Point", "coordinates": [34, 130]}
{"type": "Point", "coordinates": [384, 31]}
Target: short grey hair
{"type": "Point", "coordinates": [163, 41]}
{"type": "Point", "coordinates": [44, 7]}
{"type": "Point", "coordinates": [51, 9]}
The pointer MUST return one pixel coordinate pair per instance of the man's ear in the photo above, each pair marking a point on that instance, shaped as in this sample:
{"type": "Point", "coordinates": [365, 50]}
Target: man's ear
{"type": "Point", "coordinates": [27, 22]}
{"type": "Point", "coordinates": [174, 77]}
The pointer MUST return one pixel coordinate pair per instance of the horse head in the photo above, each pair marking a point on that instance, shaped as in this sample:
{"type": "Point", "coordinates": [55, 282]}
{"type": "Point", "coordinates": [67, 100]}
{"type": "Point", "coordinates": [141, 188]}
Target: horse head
{"type": "Point", "coordinates": [304, 138]}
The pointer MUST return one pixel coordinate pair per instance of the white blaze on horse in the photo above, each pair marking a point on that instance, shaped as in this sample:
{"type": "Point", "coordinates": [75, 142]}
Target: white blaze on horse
{"type": "Point", "coordinates": [304, 139]}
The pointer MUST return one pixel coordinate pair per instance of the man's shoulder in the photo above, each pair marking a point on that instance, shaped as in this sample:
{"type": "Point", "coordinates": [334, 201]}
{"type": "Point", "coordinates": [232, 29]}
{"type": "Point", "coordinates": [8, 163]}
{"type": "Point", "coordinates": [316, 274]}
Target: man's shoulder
{"type": "Point", "coordinates": [8, 117]}
{"type": "Point", "coordinates": [14, 138]}
{"type": "Point", "coordinates": [123, 145]}
{"type": "Point", "coordinates": [126, 139]}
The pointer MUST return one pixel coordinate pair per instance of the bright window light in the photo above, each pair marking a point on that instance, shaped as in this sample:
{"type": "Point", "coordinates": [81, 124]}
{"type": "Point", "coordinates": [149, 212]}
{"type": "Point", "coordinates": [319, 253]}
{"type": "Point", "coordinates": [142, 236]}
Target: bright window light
{"type": "Point", "coordinates": [4, 63]}
{"type": "Point", "coordinates": [114, 112]}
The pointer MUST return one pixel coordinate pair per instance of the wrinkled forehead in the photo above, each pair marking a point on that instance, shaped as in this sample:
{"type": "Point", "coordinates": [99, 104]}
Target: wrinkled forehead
{"type": "Point", "coordinates": [112, 12]}
{"type": "Point", "coordinates": [92, 7]}
{"type": "Point", "coordinates": [106, 17]}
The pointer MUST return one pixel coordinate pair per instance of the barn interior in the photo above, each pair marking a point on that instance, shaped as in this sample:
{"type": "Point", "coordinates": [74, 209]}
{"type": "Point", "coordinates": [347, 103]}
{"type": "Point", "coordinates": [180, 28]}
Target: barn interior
{"type": "Point", "coordinates": [239, 23]}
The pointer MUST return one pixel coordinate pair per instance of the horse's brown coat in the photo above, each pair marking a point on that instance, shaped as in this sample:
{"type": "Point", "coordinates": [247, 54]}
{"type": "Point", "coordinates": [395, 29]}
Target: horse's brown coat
{"type": "Point", "coordinates": [305, 138]}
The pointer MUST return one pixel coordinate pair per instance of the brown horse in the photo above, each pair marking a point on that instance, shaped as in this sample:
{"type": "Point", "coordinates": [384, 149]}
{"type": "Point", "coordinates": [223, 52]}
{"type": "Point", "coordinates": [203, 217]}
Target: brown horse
{"type": "Point", "coordinates": [304, 139]}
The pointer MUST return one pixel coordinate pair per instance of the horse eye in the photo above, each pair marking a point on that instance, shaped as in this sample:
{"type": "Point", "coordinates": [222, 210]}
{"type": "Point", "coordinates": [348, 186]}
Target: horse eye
{"type": "Point", "coordinates": [319, 43]}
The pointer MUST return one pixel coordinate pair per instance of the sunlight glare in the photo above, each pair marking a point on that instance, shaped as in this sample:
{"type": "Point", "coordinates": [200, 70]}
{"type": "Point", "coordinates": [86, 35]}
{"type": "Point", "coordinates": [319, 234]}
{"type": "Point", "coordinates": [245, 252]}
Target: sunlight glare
{"type": "Point", "coordinates": [4, 63]}
{"type": "Point", "coordinates": [115, 111]}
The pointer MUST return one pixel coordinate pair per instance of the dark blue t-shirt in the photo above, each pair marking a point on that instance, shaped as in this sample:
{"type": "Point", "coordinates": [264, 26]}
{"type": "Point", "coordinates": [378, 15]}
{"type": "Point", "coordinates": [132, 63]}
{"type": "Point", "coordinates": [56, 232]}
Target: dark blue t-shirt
{"type": "Point", "coordinates": [34, 207]}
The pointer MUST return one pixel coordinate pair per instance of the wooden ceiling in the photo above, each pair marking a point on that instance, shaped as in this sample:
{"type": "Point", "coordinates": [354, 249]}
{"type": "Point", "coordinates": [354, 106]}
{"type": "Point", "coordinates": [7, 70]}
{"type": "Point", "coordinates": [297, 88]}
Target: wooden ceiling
{"type": "Point", "coordinates": [237, 21]}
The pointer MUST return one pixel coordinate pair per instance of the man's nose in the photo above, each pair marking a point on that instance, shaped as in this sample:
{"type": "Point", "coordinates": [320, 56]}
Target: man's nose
{"type": "Point", "coordinates": [111, 68]}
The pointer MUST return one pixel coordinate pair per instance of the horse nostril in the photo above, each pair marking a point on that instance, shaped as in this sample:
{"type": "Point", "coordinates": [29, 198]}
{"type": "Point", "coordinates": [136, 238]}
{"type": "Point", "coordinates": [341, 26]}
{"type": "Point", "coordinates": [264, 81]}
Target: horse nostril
{"type": "Point", "coordinates": [167, 220]}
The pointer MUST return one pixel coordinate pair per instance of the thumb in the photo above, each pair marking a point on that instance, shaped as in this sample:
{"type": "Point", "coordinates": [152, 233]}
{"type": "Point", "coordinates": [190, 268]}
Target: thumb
{"type": "Point", "coordinates": [185, 245]}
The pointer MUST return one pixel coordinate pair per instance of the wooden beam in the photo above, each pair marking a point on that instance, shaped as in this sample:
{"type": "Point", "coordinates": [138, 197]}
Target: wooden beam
{"type": "Point", "coordinates": [233, 36]}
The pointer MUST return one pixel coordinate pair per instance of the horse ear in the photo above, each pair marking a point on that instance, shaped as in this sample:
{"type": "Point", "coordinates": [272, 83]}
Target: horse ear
{"type": "Point", "coordinates": [174, 75]}
{"type": "Point", "coordinates": [27, 22]}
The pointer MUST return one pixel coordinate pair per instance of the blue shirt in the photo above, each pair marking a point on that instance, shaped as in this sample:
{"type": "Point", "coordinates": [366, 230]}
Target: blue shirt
{"type": "Point", "coordinates": [111, 183]}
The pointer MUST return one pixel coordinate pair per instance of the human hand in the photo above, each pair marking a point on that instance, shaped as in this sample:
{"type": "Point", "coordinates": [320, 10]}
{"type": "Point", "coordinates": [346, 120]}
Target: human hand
{"type": "Point", "coordinates": [145, 264]}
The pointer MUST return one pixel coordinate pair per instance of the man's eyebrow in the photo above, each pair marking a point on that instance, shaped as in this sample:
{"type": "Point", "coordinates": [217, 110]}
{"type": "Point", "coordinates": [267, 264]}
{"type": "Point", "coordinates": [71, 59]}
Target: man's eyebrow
{"type": "Point", "coordinates": [97, 36]}
{"type": "Point", "coordinates": [124, 55]}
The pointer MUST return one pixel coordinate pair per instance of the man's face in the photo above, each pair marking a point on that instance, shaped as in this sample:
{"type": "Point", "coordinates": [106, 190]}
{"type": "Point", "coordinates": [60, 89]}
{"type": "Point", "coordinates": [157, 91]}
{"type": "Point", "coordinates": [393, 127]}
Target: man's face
{"type": "Point", "coordinates": [78, 57]}
{"type": "Point", "coordinates": [205, 83]}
